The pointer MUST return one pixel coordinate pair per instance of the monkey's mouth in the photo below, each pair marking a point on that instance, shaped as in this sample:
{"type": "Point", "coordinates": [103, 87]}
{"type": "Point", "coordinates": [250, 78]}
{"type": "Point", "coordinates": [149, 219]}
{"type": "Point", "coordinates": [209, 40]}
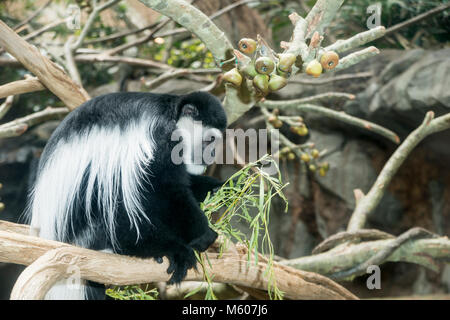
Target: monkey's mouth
{"type": "Point", "coordinates": [196, 169]}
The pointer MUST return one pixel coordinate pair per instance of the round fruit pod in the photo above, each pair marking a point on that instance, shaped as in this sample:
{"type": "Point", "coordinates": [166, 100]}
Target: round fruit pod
{"type": "Point", "coordinates": [233, 76]}
{"type": "Point", "coordinates": [277, 82]}
{"type": "Point", "coordinates": [322, 172]}
{"type": "Point", "coordinates": [329, 60]}
{"type": "Point", "coordinates": [314, 68]}
{"type": "Point", "coordinates": [286, 60]}
{"type": "Point", "coordinates": [302, 131]}
{"type": "Point", "coordinates": [315, 153]}
{"type": "Point", "coordinates": [261, 83]}
{"type": "Point", "coordinates": [305, 157]}
{"type": "Point", "coordinates": [264, 65]}
{"type": "Point", "coordinates": [247, 45]}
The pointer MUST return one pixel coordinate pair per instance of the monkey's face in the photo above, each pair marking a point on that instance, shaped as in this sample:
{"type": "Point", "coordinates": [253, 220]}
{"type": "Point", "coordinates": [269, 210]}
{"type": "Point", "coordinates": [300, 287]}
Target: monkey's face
{"type": "Point", "coordinates": [199, 143]}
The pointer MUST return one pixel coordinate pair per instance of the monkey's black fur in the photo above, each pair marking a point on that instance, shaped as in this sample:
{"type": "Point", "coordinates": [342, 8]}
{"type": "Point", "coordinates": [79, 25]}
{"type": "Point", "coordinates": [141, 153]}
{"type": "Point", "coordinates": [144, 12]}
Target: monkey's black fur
{"type": "Point", "coordinates": [170, 195]}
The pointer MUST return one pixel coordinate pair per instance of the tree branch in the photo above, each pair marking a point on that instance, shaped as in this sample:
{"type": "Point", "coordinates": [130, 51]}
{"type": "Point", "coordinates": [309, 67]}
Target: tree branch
{"type": "Point", "coordinates": [341, 116]}
{"type": "Point", "coordinates": [107, 268]}
{"type": "Point", "coordinates": [357, 40]}
{"type": "Point", "coordinates": [418, 18]}
{"type": "Point", "coordinates": [5, 106]}
{"type": "Point", "coordinates": [196, 22]}
{"type": "Point", "coordinates": [30, 84]}
{"type": "Point", "coordinates": [370, 201]}
{"type": "Point", "coordinates": [20, 125]}
{"type": "Point", "coordinates": [425, 252]}
{"type": "Point", "coordinates": [51, 75]}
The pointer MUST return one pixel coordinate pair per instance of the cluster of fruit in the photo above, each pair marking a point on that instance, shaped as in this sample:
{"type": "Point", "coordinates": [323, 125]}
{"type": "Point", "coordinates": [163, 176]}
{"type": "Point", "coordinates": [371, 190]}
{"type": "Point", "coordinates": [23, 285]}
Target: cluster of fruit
{"type": "Point", "coordinates": [268, 70]}
{"type": "Point", "coordinates": [310, 158]}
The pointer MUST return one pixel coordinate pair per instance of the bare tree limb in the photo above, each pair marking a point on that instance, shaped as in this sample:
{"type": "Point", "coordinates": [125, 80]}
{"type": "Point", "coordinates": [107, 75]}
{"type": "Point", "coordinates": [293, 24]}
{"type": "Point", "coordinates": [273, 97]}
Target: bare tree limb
{"type": "Point", "coordinates": [383, 254]}
{"type": "Point", "coordinates": [326, 80]}
{"type": "Point", "coordinates": [107, 268]}
{"type": "Point", "coordinates": [321, 15]}
{"type": "Point", "coordinates": [425, 252]}
{"type": "Point", "coordinates": [418, 18]}
{"type": "Point", "coordinates": [196, 22]}
{"type": "Point", "coordinates": [51, 75]}
{"type": "Point", "coordinates": [356, 57]}
{"type": "Point", "coordinates": [325, 96]}
{"type": "Point", "coordinates": [356, 236]}
{"type": "Point", "coordinates": [32, 16]}
{"type": "Point", "coordinates": [357, 40]}
{"type": "Point", "coordinates": [5, 106]}
{"type": "Point", "coordinates": [21, 86]}
{"type": "Point", "coordinates": [173, 73]}
{"type": "Point", "coordinates": [370, 201]}
{"type": "Point", "coordinates": [90, 21]}
{"type": "Point", "coordinates": [341, 116]}
{"type": "Point", "coordinates": [20, 125]}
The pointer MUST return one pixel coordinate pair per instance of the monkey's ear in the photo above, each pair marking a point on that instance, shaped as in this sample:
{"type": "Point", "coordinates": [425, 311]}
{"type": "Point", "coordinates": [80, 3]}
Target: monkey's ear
{"type": "Point", "coordinates": [189, 110]}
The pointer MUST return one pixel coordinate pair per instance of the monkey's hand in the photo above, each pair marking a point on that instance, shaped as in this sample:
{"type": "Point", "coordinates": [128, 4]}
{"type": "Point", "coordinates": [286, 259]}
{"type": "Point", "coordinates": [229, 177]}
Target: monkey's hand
{"type": "Point", "coordinates": [202, 243]}
{"type": "Point", "coordinates": [180, 261]}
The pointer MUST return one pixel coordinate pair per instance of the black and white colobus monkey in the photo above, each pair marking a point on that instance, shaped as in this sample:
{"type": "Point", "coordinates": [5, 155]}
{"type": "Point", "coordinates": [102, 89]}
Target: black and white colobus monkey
{"type": "Point", "coordinates": [107, 181]}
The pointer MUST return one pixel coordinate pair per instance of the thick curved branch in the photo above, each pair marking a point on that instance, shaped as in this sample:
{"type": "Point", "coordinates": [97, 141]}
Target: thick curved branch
{"type": "Point", "coordinates": [231, 267]}
{"type": "Point", "coordinates": [51, 75]}
{"type": "Point", "coordinates": [196, 22]}
{"type": "Point", "coordinates": [370, 201]}
{"type": "Point", "coordinates": [381, 256]}
{"type": "Point", "coordinates": [30, 84]}
{"type": "Point", "coordinates": [425, 252]}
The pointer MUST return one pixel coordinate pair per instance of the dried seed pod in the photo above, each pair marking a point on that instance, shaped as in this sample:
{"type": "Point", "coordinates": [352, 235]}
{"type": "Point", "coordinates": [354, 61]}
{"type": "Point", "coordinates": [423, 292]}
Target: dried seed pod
{"type": "Point", "coordinates": [261, 82]}
{"type": "Point", "coordinates": [233, 76]}
{"type": "Point", "coordinates": [329, 60]}
{"type": "Point", "coordinates": [247, 45]}
{"type": "Point", "coordinates": [264, 65]}
{"type": "Point", "coordinates": [314, 68]}
{"type": "Point", "coordinates": [291, 156]}
{"type": "Point", "coordinates": [286, 61]}
{"type": "Point", "coordinates": [277, 82]}
{"type": "Point", "coordinates": [305, 157]}
{"type": "Point", "coordinates": [315, 153]}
